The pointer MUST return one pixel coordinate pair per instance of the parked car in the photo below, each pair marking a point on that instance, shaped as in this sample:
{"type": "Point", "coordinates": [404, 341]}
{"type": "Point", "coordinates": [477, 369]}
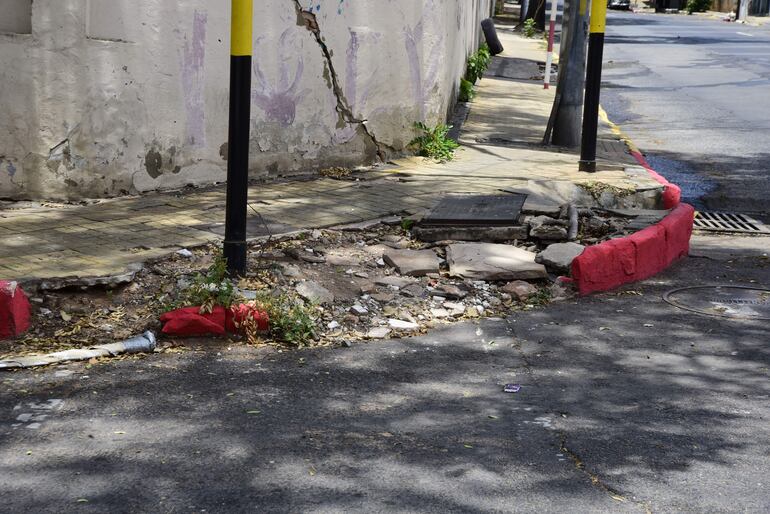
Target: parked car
{"type": "Point", "coordinates": [619, 4]}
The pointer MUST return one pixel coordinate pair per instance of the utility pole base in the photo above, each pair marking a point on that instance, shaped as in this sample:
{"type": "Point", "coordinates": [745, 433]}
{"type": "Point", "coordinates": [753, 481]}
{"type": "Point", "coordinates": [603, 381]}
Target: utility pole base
{"type": "Point", "coordinates": [235, 255]}
{"type": "Point", "coordinates": [589, 166]}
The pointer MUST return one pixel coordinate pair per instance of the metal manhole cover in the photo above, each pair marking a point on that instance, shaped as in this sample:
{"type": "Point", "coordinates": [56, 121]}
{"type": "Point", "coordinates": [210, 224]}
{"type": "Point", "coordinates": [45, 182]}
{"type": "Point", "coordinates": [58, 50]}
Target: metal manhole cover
{"type": "Point", "coordinates": [739, 302]}
{"type": "Point", "coordinates": [476, 210]}
{"type": "Point", "coordinates": [728, 222]}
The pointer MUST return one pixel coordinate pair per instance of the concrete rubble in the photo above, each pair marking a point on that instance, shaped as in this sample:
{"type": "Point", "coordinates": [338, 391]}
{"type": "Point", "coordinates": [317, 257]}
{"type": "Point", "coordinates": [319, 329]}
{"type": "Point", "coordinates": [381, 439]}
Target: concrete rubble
{"type": "Point", "coordinates": [314, 292]}
{"type": "Point", "coordinates": [558, 257]}
{"type": "Point", "coordinates": [488, 261]}
{"type": "Point", "coordinates": [374, 282]}
{"type": "Point", "coordinates": [412, 263]}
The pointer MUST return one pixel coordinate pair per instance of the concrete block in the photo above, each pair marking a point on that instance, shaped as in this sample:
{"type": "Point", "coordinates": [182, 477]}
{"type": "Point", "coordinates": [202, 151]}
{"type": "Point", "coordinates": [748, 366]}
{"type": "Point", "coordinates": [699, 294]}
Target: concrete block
{"type": "Point", "coordinates": [413, 263]}
{"type": "Point", "coordinates": [488, 261]}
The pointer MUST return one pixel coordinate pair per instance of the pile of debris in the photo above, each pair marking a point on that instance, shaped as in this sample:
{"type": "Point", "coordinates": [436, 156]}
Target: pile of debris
{"type": "Point", "coordinates": [388, 277]}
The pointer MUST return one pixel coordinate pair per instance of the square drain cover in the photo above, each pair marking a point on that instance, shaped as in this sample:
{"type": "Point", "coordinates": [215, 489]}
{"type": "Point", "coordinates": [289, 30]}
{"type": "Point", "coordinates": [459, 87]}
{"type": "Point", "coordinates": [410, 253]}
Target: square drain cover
{"type": "Point", "coordinates": [500, 210]}
{"type": "Point", "coordinates": [728, 222]}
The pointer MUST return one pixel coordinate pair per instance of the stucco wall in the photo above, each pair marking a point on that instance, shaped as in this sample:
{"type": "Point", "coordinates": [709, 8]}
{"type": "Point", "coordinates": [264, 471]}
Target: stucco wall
{"type": "Point", "coordinates": [107, 97]}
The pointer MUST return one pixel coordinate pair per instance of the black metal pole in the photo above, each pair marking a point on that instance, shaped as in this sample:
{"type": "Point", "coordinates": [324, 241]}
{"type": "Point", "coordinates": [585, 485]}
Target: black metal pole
{"type": "Point", "coordinates": [593, 86]}
{"type": "Point", "coordinates": [234, 247]}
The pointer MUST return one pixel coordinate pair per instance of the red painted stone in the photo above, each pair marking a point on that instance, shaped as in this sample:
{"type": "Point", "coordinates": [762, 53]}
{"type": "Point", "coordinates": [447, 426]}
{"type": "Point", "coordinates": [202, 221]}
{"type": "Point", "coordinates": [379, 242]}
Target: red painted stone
{"type": "Point", "coordinates": [678, 227]}
{"type": "Point", "coordinates": [649, 245]}
{"type": "Point", "coordinates": [14, 310]}
{"type": "Point", "coordinates": [672, 195]}
{"type": "Point", "coordinates": [604, 266]}
{"type": "Point", "coordinates": [616, 262]}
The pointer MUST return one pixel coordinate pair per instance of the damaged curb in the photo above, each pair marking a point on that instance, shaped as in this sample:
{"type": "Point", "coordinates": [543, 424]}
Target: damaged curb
{"type": "Point", "coordinates": [643, 254]}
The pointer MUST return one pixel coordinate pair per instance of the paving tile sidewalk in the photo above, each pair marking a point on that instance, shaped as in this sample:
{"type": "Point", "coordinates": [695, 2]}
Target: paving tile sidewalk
{"type": "Point", "coordinates": [500, 150]}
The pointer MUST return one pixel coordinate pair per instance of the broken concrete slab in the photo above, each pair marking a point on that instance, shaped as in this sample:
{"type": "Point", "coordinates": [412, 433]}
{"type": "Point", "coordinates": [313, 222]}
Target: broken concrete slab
{"type": "Point", "coordinates": [541, 207]}
{"type": "Point", "coordinates": [489, 261]}
{"type": "Point", "coordinates": [559, 256]}
{"type": "Point", "coordinates": [378, 333]}
{"type": "Point", "coordinates": [413, 291]}
{"type": "Point", "coordinates": [470, 233]}
{"type": "Point", "coordinates": [314, 292]}
{"type": "Point", "coordinates": [335, 259]}
{"type": "Point", "coordinates": [439, 313]}
{"type": "Point", "coordinates": [394, 281]}
{"type": "Point", "coordinates": [455, 309]}
{"type": "Point", "coordinates": [291, 271]}
{"type": "Point", "coordinates": [452, 291]}
{"type": "Point", "coordinates": [519, 289]}
{"type": "Point", "coordinates": [376, 251]}
{"type": "Point", "coordinates": [413, 263]}
{"type": "Point", "coordinates": [56, 284]}
{"type": "Point", "coordinates": [383, 297]}
{"type": "Point", "coordinates": [398, 324]}
{"type": "Point", "coordinates": [306, 256]}
{"type": "Point", "coordinates": [547, 228]}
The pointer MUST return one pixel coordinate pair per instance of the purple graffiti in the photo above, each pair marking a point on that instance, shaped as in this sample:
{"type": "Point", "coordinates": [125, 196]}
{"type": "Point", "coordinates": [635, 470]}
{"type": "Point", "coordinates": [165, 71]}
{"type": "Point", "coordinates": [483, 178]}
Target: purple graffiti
{"type": "Point", "coordinates": [424, 77]}
{"type": "Point", "coordinates": [193, 56]}
{"type": "Point", "coordinates": [279, 102]}
{"type": "Point", "coordinates": [356, 102]}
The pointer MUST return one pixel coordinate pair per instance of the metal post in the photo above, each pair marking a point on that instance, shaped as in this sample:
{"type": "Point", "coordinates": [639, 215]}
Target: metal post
{"type": "Point", "coordinates": [549, 57]}
{"type": "Point", "coordinates": [234, 247]}
{"type": "Point", "coordinates": [593, 85]}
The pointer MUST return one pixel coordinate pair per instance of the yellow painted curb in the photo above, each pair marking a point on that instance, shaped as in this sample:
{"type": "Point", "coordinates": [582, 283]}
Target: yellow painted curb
{"type": "Point", "coordinates": [616, 130]}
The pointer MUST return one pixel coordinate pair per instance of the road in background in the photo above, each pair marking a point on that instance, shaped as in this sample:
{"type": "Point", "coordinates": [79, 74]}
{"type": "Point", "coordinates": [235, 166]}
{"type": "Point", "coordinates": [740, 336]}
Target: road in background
{"type": "Point", "coordinates": [694, 94]}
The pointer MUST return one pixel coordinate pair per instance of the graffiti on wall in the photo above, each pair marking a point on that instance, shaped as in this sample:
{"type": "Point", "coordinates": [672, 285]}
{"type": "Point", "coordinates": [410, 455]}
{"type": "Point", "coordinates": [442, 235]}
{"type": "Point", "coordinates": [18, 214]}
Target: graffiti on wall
{"type": "Point", "coordinates": [279, 99]}
{"type": "Point", "coordinates": [357, 98]}
{"type": "Point", "coordinates": [193, 76]}
{"type": "Point", "coordinates": [424, 60]}
{"type": "Point", "coordinates": [339, 5]}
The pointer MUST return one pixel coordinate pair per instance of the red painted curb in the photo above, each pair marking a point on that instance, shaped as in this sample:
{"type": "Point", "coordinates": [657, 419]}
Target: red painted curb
{"type": "Point", "coordinates": [672, 194]}
{"type": "Point", "coordinates": [641, 255]}
{"type": "Point", "coordinates": [14, 310]}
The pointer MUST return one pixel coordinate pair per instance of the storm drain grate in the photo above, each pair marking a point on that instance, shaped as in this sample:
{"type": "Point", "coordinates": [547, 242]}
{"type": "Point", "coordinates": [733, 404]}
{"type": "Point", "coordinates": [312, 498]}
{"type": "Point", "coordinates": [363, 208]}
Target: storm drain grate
{"type": "Point", "coordinates": [728, 222]}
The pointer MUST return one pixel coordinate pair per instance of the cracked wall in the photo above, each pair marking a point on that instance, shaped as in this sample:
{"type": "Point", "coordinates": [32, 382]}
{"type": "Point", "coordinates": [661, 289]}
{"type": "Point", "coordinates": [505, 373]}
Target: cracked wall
{"type": "Point", "coordinates": [95, 105]}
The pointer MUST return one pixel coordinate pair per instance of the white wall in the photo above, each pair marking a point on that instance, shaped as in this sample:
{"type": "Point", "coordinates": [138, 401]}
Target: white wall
{"type": "Point", "coordinates": [107, 97]}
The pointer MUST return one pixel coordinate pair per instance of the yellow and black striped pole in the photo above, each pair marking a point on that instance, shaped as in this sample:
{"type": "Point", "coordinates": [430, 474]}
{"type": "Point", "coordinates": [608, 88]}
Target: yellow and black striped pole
{"type": "Point", "coordinates": [596, 27]}
{"type": "Point", "coordinates": [234, 247]}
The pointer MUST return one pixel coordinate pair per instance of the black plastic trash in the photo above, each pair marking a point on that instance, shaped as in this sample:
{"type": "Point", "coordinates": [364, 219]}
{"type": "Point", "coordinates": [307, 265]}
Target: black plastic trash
{"type": "Point", "coordinates": [490, 34]}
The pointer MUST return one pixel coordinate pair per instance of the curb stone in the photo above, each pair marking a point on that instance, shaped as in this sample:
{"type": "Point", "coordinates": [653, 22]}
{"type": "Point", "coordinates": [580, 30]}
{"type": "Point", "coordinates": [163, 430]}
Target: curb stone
{"type": "Point", "coordinates": [643, 254]}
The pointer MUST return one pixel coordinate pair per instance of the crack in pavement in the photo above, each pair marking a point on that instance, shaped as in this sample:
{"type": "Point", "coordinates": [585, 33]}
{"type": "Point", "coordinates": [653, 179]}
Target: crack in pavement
{"type": "Point", "coordinates": [595, 479]}
{"type": "Point", "coordinates": [309, 20]}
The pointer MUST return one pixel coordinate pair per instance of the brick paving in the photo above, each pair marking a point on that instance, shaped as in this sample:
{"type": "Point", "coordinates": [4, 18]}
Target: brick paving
{"type": "Point", "coordinates": [499, 151]}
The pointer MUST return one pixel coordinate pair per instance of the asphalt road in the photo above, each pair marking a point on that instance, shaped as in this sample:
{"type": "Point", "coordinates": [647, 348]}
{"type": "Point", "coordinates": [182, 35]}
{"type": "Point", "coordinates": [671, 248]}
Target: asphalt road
{"type": "Point", "coordinates": [627, 404]}
{"type": "Point", "coordinates": [695, 95]}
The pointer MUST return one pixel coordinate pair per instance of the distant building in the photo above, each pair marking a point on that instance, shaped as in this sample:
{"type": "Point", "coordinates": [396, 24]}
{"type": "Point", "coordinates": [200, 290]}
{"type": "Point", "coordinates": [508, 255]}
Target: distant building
{"type": "Point", "coordinates": [756, 7]}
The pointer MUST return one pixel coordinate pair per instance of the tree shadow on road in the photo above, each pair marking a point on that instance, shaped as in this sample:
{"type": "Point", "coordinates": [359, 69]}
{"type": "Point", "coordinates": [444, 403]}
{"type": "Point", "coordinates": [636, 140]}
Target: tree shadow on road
{"type": "Point", "coordinates": [621, 393]}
